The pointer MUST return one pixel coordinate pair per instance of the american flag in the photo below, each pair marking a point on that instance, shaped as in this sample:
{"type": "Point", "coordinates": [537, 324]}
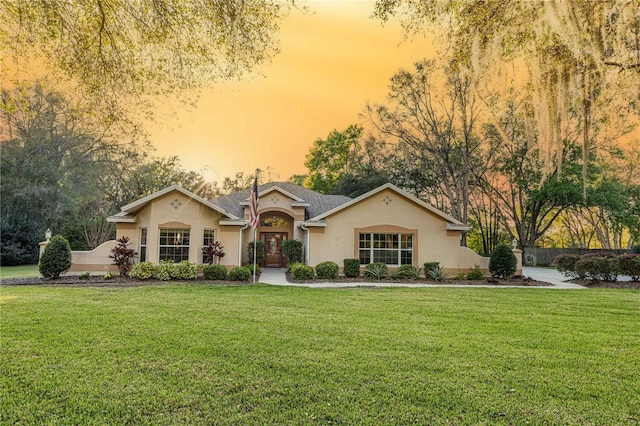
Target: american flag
{"type": "Point", "coordinates": [254, 214]}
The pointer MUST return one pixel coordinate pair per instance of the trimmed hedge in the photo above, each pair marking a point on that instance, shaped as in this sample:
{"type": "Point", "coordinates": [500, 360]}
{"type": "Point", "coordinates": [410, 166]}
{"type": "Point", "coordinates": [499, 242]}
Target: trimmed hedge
{"type": "Point", "coordinates": [142, 271]}
{"type": "Point", "coordinates": [502, 262]}
{"type": "Point", "coordinates": [292, 249]}
{"type": "Point", "coordinates": [630, 265]}
{"type": "Point", "coordinates": [240, 273]}
{"type": "Point", "coordinates": [215, 272]}
{"type": "Point", "coordinates": [351, 268]}
{"type": "Point", "coordinates": [184, 270]}
{"type": "Point", "coordinates": [566, 264]}
{"type": "Point", "coordinates": [300, 271]}
{"type": "Point", "coordinates": [56, 257]}
{"type": "Point", "coordinates": [600, 267]}
{"type": "Point", "coordinates": [327, 270]}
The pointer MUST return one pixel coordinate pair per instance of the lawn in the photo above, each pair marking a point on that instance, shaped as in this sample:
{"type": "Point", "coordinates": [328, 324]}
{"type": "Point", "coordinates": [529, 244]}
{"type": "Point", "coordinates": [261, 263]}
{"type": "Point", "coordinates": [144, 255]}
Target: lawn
{"type": "Point", "coordinates": [22, 271]}
{"type": "Point", "coordinates": [206, 354]}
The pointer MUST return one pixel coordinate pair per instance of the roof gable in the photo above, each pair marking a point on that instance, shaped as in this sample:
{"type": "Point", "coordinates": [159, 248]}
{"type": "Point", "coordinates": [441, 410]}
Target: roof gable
{"type": "Point", "coordinates": [452, 223]}
{"type": "Point", "coordinates": [138, 204]}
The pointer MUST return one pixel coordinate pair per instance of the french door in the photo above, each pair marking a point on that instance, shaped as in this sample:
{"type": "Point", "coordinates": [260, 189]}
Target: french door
{"type": "Point", "coordinates": [274, 258]}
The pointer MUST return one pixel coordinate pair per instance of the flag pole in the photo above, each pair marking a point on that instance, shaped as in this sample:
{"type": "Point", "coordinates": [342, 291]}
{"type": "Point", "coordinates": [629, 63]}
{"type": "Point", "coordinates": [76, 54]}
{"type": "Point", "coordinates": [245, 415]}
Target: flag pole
{"type": "Point", "coordinates": [255, 250]}
{"type": "Point", "coordinates": [254, 219]}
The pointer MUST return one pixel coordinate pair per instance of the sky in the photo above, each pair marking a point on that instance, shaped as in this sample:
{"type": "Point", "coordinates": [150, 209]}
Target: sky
{"type": "Point", "coordinates": [332, 61]}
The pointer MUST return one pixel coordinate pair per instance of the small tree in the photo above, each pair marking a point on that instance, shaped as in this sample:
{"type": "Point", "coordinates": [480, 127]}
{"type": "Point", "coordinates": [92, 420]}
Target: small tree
{"type": "Point", "coordinates": [56, 258]}
{"type": "Point", "coordinates": [293, 250]}
{"type": "Point", "coordinates": [213, 252]}
{"type": "Point", "coordinates": [503, 262]}
{"type": "Point", "coordinates": [123, 256]}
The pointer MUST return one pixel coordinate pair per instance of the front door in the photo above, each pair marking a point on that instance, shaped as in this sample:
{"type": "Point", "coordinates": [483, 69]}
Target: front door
{"type": "Point", "coordinates": [274, 257]}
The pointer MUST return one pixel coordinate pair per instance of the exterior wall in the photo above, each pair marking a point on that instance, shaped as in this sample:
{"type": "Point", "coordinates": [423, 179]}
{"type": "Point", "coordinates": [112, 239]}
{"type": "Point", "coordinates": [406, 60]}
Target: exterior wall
{"type": "Point", "coordinates": [94, 261]}
{"type": "Point", "coordinates": [385, 212]}
{"type": "Point", "coordinates": [175, 210]}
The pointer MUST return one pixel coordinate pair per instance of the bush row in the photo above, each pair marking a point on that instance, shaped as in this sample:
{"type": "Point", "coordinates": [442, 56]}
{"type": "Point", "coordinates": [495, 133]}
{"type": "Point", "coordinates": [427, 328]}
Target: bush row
{"type": "Point", "coordinates": [599, 267]}
{"type": "Point", "coordinates": [186, 270]}
{"type": "Point", "coordinates": [377, 270]}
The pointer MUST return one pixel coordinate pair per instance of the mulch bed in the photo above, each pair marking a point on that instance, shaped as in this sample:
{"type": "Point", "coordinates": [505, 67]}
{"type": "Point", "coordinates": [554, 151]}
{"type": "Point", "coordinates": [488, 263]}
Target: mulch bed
{"type": "Point", "coordinates": [515, 281]}
{"type": "Point", "coordinates": [607, 284]}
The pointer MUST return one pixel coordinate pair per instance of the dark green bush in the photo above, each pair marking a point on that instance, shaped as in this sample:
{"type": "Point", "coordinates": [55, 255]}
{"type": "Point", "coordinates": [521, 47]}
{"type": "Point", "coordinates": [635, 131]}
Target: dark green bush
{"type": "Point", "coordinates": [351, 268]}
{"type": "Point", "coordinates": [376, 270]}
{"type": "Point", "coordinates": [258, 270]}
{"type": "Point", "coordinates": [566, 264]}
{"type": "Point", "coordinates": [300, 271]}
{"type": "Point", "coordinates": [142, 271]}
{"type": "Point", "coordinates": [56, 258]}
{"type": "Point", "coordinates": [240, 273]}
{"type": "Point", "coordinates": [502, 262]}
{"type": "Point", "coordinates": [429, 267]}
{"type": "Point", "coordinates": [630, 265]}
{"type": "Point", "coordinates": [327, 270]}
{"type": "Point", "coordinates": [292, 249]}
{"type": "Point", "coordinates": [437, 274]}
{"type": "Point", "coordinates": [598, 267]}
{"type": "Point", "coordinates": [406, 272]}
{"type": "Point", "coordinates": [259, 252]}
{"type": "Point", "coordinates": [635, 249]}
{"type": "Point", "coordinates": [85, 276]}
{"type": "Point", "coordinates": [214, 272]}
{"type": "Point", "coordinates": [475, 274]}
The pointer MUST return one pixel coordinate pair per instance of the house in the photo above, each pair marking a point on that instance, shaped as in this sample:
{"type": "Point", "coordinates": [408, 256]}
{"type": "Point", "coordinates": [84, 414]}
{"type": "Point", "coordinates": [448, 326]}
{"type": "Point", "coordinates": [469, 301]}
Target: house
{"type": "Point", "coordinates": [386, 225]}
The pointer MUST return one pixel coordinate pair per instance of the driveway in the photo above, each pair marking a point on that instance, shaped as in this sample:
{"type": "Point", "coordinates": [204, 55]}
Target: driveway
{"type": "Point", "coordinates": [549, 275]}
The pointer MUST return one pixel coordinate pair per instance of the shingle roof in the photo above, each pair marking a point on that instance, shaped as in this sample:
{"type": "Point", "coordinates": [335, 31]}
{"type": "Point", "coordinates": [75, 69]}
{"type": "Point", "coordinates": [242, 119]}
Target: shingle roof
{"type": "Point", "coordinates": [318, 203]}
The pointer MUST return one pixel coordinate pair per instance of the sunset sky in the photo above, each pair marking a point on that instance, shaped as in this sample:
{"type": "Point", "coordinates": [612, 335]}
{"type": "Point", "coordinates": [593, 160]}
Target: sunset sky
{"type": "Point", "coordinates": [333, 60]}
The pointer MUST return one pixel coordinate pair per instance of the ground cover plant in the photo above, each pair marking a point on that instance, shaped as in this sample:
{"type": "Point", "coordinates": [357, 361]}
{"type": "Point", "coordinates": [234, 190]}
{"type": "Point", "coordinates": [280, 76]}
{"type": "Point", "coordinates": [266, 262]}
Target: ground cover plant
{"type": "Point", "coordinates": [194, 354]}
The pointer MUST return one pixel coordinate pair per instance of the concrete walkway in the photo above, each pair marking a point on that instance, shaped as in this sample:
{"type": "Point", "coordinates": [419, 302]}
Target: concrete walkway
{"type": "Point", "coordinates": [551, 276]}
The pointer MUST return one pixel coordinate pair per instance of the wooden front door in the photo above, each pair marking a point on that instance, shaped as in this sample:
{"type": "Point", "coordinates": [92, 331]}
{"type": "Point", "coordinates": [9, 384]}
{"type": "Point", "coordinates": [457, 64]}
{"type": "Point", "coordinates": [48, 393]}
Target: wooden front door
{"type": "Point", "coordinates": [274, 258]}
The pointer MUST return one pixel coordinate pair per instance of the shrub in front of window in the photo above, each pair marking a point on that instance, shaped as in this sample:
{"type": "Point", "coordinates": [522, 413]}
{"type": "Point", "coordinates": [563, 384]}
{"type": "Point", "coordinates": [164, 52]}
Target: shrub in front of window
{"type": "Point", "coordinates": [351, 268]}
{"type": "Point", "coordinates": [163, 270]}
{"type": "Point", "coordinates": [502, 262]}
{"type": "Point", "coordinates": [407, 272]}
{"type": "Point", "coordinates": [598, 267]}
{"type": "Point", "coordinates": [300, 271]}
{"type": "Point", "coordinates": [327, 270]}
{"type": "Point", "coordinates": [475, 274]}
{"type": "Point", "coordinates": [293, 250]}
{"type": "Point", "coordinates": [56, 258]}
{"type": "Point", "coordinates": [123, 256]}
{"type": "Point", "coordinates": [566, 264]}
{"type": "Point", "coordinates": [430, 266]}
{"type": "Point", "coordinates": [240, 273]}
{"type": "Point", "coordinates": [376, 270]}
{"type": "Point", "coordinates": [184, 270]}
{"type": "Point", "coordinates": [630, 265]}
{"type": "Point", "coordinates": [142, 271]}
{"type": "Point", "coordinates": [214, 272]}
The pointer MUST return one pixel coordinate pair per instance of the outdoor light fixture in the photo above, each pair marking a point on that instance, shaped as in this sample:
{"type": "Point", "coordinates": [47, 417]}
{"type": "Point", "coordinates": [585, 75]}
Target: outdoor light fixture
{"type": "Point", "coordinates": [514, 243]}
{"type": "Point", "coordinates": [47, 234]}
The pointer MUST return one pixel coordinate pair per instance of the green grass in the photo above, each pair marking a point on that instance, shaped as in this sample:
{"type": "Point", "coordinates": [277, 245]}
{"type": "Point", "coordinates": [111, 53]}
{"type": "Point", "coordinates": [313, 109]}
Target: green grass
{"type": "Point", "coordinates": [203, 354]}
{"type": "Point", "coordinates": [22, 271]}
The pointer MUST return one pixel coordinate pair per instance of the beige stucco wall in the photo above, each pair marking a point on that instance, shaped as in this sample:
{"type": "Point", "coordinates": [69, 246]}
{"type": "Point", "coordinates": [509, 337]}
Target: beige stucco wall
{"type": "Point", "coordinates": [175, 210]}
{"type": "Point", "coordinates": [389, 211]}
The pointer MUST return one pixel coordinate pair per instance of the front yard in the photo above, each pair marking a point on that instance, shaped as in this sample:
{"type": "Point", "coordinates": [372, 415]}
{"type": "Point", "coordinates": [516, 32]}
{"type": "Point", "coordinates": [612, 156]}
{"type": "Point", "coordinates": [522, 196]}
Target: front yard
{"type": "Point", "coordinates": [198, 353]}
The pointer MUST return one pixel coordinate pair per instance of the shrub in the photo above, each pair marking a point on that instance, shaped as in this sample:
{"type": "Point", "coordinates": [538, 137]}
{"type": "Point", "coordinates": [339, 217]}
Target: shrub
{"type": "Point", "coordinates": [430, 266]}
{"type": "Point", "coordinates": [351, 268]}
{"type": "Point", "coordinates": [598, 267]}
{"type": "Point", "coordinates": [259, 253]}
{"type": "Point", "coordinates": [327, 270]}
{"type": "Point", "coordinates": [86, 276]}
{"type": "Point", "coordinates": [164, 270]}
{"type": "Point", "coordinates": [239, 273]}
{"type": "Point", "coordinates": [566, 264]}
{"type": "Point", "coordinates": [502, 262]}
{"type": "Point", "coordinates": [300, 271]}
{"type": "Point", "coordinates": [376, 270]}
{"type": "Point", "coordinates": [630, 265]}
{"type": "Point", "coordinates": [258, 269]}
{"type": "Point", "coordinates": [214, 272]}
{"type": "Point", "coordinates": [184, 270]}
{"type": "Point", "coordinates": [123, 256]}
{"type": "Point", "coordinates": [212, 252]}
{"type": "Point", "coordinates": [436, 274]}
{"type": "Point", "coordinates": [293, 250]}
{"type": "Point", "coordinates": [406, 272]}
{"type": "Point", "coordinates": [108, 276]}
{"type": "Point", "coordinates": [475, 274]}
{"type": "Point", "coordinates": [56, 258]}
{"type": "Point", "coordinates": [635, 249]}
{"type": "Point", "coordinates": [142, 271]}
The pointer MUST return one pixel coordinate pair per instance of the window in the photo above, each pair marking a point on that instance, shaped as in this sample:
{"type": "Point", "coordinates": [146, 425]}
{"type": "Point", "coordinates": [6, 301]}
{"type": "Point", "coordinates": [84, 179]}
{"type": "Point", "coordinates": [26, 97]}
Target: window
{"type": "Point", "coordinates": [174, 244]}
{"type": "Point", "coordinates": [143, 244]}
{"type": "Point", "coordinates": [208, 238]}
{"type": "Point", "coordinates": [392, 249]}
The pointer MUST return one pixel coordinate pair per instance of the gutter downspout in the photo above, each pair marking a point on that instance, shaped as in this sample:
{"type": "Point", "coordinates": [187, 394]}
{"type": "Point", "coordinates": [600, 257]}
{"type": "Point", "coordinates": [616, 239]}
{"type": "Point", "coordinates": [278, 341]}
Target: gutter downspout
{"type": "Point", "coordinates": [306, 243]}
{"type": "Point", "coordinates": [246, 225]}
